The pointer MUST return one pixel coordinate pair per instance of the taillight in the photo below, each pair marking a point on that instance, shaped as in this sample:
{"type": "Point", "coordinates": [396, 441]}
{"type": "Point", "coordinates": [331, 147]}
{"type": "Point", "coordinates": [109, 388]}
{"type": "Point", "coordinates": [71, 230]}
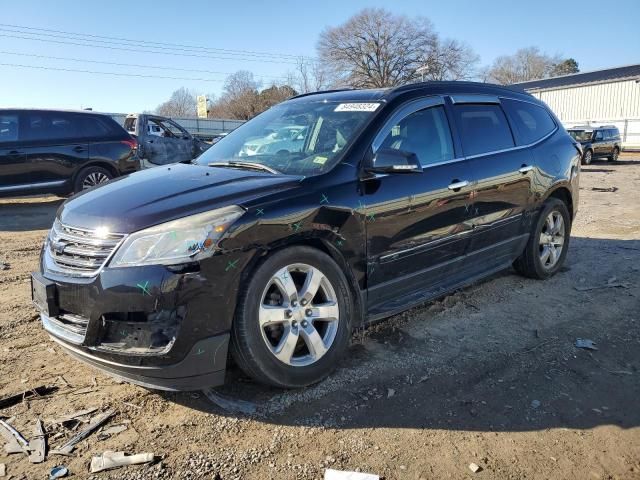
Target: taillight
{"type": "Point", "coordinates": [132, 143]}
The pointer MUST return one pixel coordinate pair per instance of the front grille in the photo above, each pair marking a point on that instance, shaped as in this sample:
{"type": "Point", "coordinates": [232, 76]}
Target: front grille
{"type": "Point", "coordinates": [79, 252]}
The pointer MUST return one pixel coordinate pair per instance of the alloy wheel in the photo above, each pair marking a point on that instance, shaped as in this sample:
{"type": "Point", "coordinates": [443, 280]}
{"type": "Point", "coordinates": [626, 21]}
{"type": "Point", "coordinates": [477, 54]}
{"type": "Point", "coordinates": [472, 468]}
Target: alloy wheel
{"type": "Point", "coordinates": [614, 156]}
{"type": "Point", "coordinates": [552, 240]}
{"type": "Point", "coordinates": [587, 157]}
{"type": "Point", "coordinates": [93, 179]}
{"type": "Point", "coordinates": [299, 314]}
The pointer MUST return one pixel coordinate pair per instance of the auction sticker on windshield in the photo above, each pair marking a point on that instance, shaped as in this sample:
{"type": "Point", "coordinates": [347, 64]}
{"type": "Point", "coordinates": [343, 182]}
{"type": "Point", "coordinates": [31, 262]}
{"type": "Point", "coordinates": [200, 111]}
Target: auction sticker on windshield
{"type": "Point", "coordinates": [357, 107]}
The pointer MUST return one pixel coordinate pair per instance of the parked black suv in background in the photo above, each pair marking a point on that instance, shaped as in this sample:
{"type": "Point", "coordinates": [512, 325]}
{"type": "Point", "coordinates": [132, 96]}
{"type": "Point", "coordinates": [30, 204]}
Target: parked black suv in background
{"type": "Point", "coordinates": [393, 197]}
{"type": "Point", "coordinates": [597, 142]}
{"type": "Point", "coordinates": [61, 152]}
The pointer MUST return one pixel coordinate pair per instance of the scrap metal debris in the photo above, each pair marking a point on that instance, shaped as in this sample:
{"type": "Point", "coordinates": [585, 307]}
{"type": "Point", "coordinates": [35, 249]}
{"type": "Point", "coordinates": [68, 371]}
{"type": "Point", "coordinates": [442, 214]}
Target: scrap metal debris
{"type": "Point", "coordinates": [38, 444]}
{"type": "Point", "coordinates": [609, 284]}
{"type": "Point", "coordinates": [231, 405]}
{"type": "Point", "coordinates": [4, 266]}
{"type": "Point", "coordinates": [604, 189]}
{"type": "Point", "coordinates": [16, 443]}
{"type": "Point", "coordinates": [74, 416]}
{"type": "Point", "coordinates": [58, 472]}
{"type": "Point", "coordinates": [330, 474]}
{"type": "Point", "coordinates": [95, 423]}
{"type": "Point", "coordinates": [586, 344]}
{"type": "Point", "coordinates": [19, 397]}
{"type": "Point", "coordinates": [109, 460]}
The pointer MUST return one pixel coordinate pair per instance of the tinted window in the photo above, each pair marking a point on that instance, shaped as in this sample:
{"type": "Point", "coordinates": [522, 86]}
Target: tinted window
{"type": "Point", "coordinates": [531, 121]}
{"type": "Point", "coordinates": [50, 126]}
{"type": "Point", "coordinates": [483, 128]}
{"type": "Point", "coordinates": [8, 128]}
{"type": "Point", "coordinates": [425, 133]}
{"type": "Point", "coordinates": [599, 136]}
{"type": "Point", "coordinates": [91, 126]}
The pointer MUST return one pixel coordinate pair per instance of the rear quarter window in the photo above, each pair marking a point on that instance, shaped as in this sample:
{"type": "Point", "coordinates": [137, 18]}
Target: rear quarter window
{"type": "Point", "coordinates": [483, 128]}
{"type": "Point", "coordinates": [531, 122]}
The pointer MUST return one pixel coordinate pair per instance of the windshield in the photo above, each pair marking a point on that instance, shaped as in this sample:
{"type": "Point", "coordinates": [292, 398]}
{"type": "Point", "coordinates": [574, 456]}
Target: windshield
{"type": "Point", "coordinates": [300, 138]}
{"type": "Point", "coordinates": [581, 135]}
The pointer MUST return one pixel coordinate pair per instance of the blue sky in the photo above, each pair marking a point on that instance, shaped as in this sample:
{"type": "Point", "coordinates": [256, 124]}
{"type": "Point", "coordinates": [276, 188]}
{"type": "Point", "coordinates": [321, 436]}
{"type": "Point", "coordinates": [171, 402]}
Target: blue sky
{"type": "Point", "coordinates": [492, 28]}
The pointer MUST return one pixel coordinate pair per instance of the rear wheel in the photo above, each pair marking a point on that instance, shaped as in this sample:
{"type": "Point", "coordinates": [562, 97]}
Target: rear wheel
{"type": "Point", "coordinates": [293, 320]}
{"type": "Point", "coordinates": [547, 247]}
{"type": "Point", "coordinates": [90, 177]}
{"type": "Point", "coordinates": [587, 157]}
{"type": "Point", "coordinates": [614, 155]}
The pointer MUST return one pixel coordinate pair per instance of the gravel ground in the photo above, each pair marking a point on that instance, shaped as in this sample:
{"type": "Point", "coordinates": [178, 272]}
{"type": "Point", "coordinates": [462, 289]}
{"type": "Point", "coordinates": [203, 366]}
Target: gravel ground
{"type": "Point", "coordinates": [488, 375]}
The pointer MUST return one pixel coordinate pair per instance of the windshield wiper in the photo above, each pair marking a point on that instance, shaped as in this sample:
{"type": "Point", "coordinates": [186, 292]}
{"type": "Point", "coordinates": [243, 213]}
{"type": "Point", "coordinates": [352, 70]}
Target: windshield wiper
{"type": "Point", "coordinates": [248, 165]}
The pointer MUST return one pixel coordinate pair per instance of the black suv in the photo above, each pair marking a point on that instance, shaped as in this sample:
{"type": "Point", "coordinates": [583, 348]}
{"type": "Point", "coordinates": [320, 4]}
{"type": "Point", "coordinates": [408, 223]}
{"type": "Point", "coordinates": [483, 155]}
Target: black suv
{"type": "Point", "coordinates": [390, 198]}
{"type": "Point", "coordinates": [597, 142]}
{"type": "Point", "coordinates": [61, 152]}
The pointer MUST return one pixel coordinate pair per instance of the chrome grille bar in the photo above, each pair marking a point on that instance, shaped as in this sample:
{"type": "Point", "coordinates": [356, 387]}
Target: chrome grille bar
{"type": "Point", "coordinates": [79, 252]}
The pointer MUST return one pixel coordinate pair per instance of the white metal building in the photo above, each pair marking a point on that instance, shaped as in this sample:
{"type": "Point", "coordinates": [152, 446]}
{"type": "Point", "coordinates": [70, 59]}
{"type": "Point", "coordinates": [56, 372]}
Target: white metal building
{"type": "Point", "coordinates": [600, 97]}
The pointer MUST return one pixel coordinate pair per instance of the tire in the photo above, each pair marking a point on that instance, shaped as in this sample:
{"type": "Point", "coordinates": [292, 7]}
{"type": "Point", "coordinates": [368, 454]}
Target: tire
{"type": "Point", "coordinates": [90, 177]}
{"type": "Point", "coordinates": [278, 352]}
{"type": "Point", "coordinates": [534, 261]}
{"type": "Point", "coordinates": [587, 157]}
{"type": "Point", "coordinates": [614, 155]}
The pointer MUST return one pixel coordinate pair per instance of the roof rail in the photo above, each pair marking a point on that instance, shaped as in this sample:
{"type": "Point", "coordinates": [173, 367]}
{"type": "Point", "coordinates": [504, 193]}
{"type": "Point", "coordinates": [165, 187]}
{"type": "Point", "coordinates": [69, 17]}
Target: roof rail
{"type": "Point", "coordinates": [322, 91]}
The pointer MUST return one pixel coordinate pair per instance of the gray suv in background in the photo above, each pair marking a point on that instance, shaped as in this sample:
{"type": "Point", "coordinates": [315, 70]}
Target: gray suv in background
{"type": "Point", "coordinates": [597, 142]}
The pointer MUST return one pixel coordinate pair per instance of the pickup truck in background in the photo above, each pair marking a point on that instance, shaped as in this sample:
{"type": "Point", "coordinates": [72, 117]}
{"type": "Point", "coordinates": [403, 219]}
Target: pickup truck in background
{"type": "Point", "coordinates": [162, 141]}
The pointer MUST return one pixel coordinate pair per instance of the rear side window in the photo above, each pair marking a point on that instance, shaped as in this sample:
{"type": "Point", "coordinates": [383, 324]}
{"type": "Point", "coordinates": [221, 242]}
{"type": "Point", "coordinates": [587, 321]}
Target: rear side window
{"type": "Point", "coordinates": [92, 126]}
{"type": "Point", "coordinates": [483, 128]}
{"type": "Point", "coordinates": [425, 133]}
{"type": "Point", "coordinates": [8, 128]}
{"type": "Point", "coordinates": [531, 121]}
{"type": "Point", "coordinates": [52, 126]}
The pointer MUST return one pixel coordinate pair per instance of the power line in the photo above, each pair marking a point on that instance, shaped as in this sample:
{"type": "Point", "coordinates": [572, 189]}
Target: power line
{"type": "Point", "coordinates": [191, 47]}
{"type": "Point", "coordinates": [109, 73]}
{"type": "Point", "coordinates": [158, 67]}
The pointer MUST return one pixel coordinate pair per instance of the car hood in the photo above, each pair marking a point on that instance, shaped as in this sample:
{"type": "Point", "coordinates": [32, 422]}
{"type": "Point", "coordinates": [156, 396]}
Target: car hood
{"type": "Point", "coordinates": [161, 194]}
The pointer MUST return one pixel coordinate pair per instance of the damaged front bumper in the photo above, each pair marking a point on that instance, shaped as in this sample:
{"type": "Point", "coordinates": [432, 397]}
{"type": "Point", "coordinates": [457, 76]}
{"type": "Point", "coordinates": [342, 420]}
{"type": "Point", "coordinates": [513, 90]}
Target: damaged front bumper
{"type": "Point", "coordinates": [157, 326]}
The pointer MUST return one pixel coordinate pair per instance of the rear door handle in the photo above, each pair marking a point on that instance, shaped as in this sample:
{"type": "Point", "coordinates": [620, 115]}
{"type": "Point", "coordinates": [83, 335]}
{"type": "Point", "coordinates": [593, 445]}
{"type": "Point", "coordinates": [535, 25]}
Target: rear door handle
{"type": "Point", "coordinates": [525, 168]}
{"type": "Point", "coordinates": [457, 185]}
{"type": "Point", "coordinates": [15, 153]}
{"type": "Point", "coordinates": [78, 149]}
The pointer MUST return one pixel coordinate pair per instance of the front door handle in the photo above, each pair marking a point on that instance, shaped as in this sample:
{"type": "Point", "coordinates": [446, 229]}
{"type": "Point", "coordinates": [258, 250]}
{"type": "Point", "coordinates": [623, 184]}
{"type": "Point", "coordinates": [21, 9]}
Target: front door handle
{"type": "Point", "coordinates": [15, 153]}
{"type": "Point", "coordinates": [525, 168]}
{"type": "Point", "coordinates": [78, 149]}
{"type": "Point", "coordinates": [457, 185]}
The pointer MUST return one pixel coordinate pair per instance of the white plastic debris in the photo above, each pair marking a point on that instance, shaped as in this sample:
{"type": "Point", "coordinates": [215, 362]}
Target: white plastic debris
{"type": "Point", "coordinates": [474, 467]}
{"type": "Point", "coordinates": [340, 475]}
{"type": "Point", "coordinates": [109, 460]}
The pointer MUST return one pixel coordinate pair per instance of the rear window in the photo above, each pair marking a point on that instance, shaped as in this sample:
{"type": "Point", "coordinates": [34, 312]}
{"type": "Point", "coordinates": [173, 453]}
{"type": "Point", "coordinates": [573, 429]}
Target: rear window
{"type": "Point", "coordinates": [94, 126]}
{"type": "Point", "coordinates": [8, 128]}
{"type": "Point", "coordinates": [483, 128]}
{"type": "Point", "coordinates": [531, 121]}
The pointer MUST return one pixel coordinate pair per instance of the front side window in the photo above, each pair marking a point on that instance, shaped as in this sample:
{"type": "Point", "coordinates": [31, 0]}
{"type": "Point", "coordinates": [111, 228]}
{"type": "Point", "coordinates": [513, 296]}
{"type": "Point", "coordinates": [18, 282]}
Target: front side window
{"type": "Point", "coordinates": [599, 136]}
{"type": "Point", "coordinates": [8, 128]}
{"type": "Point", "coordinates": [298, 138]}
{"type": "Point", "coordinates": [425, 133]}
{"type": "Point", "coordinates": [531, 121]}
{"type": "Point", "coordinates": [483, 128]}
{"type": "Point", "coordinates": [581, 135]}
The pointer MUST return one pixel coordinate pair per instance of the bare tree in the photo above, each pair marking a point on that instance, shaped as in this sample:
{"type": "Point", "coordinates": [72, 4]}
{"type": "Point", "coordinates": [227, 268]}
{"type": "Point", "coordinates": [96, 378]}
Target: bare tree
{"type": "Point", "coordinates": [242, 99]}
{"type": "Point", "coordinates": [181, 104]}
{"type": "Point", "coordinates": [376, 48]}
{"type": "Point", "coordinates": [526, 64]}
{"type": "Point", "coordinates": [310, 76]}
{"type": "Point", "coordinates": [449, 59]}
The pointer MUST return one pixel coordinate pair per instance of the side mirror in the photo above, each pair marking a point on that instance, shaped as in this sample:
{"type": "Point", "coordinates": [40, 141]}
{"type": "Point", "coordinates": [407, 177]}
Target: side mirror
{"type": "Point", "coordinates": [390, 160]}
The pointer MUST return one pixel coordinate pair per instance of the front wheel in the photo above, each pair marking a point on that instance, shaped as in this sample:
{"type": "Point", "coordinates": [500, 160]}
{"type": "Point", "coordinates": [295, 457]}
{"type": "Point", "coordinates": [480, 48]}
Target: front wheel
{"type": "Point", "coordinates": [292, 324]}
{"type": "Point", "coordinates": [548, 243]}
{"type": "Point", "coordinates": [587, 157]}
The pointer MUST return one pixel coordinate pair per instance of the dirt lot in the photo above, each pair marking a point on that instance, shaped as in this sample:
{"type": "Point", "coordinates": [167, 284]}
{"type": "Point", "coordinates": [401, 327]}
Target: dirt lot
{"type": "Point", "coordinates": [488, 375]}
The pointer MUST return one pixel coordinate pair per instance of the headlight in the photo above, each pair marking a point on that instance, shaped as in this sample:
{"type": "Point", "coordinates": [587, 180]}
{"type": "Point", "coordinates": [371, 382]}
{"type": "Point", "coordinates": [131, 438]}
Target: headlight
{"type": "Point", "coordinates": [187, 239]}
